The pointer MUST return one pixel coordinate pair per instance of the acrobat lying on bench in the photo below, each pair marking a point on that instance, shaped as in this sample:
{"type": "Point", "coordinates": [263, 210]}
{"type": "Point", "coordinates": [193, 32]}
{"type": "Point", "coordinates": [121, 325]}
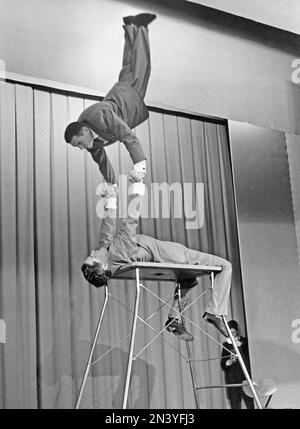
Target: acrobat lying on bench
{"type": "Point", "coordinates": [125, 247]}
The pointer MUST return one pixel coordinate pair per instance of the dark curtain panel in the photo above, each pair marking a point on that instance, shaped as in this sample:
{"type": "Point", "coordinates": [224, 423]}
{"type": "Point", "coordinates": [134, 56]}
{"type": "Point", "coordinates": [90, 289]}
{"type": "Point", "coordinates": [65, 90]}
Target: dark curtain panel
{"type": "Point", "coordinates": [49, 224]}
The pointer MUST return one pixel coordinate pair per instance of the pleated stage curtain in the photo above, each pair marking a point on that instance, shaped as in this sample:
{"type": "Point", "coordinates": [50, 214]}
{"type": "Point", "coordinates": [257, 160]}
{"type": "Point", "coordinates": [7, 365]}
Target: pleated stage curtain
{"type": "Point", "coordinates": [49, 225]}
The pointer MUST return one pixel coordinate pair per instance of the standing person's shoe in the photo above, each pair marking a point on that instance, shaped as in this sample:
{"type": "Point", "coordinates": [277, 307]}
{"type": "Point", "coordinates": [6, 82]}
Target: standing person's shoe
{"type": "Point", "coordinates": [177, 328]}
{"type": "Point", "coordinates": [142, 19]}
{"type": "Point", "coordinates": [217, 322]}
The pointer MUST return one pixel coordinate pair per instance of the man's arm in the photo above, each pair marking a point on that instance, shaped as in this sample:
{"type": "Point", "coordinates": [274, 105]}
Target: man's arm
{"type": "Point", "coordinates": [108, 224]}
{"type": "Point", "coordinates": [124, 134]}
{"type": "Point", "coordinates": [99, 156]}
{"type": "Point", "coordinates": [129, 224]}
{"type": "Point", "coordinates": [126, 239]}
{"type": "Point", "coordinates": [107, 229]}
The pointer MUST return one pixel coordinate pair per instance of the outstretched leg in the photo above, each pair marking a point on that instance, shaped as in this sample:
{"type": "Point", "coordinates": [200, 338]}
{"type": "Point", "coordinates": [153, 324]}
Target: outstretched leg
{"type": "Point", "coordinates": [136, 65]}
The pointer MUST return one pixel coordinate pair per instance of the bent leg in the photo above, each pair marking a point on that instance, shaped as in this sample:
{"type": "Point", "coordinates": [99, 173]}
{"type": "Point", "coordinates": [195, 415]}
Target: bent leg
{"type": "Point", "coordinates": [136, 58]}
{"type": "Point", "coordinates": [218, 304]}
{"type": "Point", "coordinates": [185, 291]}
{"type": "Point", "coordinates": [177, 253]}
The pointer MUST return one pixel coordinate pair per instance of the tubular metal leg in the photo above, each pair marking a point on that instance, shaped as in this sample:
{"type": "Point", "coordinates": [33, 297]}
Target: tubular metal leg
{"type": "Point", "coordinates": [92, 350]}
{"type": "Point", "coordinates": [188, 349]}
{"type": "Point", "coordinates": [132, 337]}
{"type": "Point", "coordinates": [242, 364]}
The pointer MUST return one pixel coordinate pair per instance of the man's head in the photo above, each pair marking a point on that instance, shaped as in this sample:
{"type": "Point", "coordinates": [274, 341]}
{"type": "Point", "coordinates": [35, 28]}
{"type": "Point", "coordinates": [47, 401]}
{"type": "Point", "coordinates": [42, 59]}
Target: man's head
{"type": "Point", "coordinates": [96, 269]}
{"type": "Point", "coordinates": [234, 327]}
{"type": "Point", "coordinates": [79, 136]}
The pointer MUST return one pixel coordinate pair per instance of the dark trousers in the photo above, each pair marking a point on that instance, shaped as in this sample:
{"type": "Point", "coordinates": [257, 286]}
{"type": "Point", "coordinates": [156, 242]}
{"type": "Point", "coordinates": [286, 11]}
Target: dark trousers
{"type": "Point", "coordinates": [136, 65]}
{"type": "Point", "coordinates": [236, 395]}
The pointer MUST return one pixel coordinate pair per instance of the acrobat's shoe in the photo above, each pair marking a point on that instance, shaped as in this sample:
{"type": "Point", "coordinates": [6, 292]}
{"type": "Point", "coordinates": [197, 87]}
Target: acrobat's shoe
{"type": "Point", "coordinates": [177, 327]}
{"type": "Point", "coordinates": [217, 322]}
{"type": "Point", "coordinates": [142, 19]}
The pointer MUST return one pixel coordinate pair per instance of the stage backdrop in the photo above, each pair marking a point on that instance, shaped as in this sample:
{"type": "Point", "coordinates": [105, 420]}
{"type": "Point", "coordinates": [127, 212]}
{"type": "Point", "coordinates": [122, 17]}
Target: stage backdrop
{"type": "Point", "coordinates": [49, 225]}
{"type": "Point", "coordinates": [269, 259]}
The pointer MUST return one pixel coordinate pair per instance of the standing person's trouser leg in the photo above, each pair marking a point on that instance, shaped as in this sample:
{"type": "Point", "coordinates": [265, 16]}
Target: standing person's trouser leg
{"type": "Point", "coordinates": [218, 304]}
{"type": "Point", "coordinates": [248, 401]}
{"type": "Point", "coordinates": [136, 58]}
{"type": "Point", "coordinates": [235, 397]}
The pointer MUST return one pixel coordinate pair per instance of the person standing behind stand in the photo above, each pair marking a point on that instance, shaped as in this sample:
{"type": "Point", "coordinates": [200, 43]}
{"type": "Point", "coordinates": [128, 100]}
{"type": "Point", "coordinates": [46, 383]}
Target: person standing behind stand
{"type": "Point", "coordinates": [232, 368]}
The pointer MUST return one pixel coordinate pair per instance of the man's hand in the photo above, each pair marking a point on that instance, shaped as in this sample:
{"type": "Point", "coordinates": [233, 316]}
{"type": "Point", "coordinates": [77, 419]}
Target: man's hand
{"type": "Point", "coordinates": [111, 191]}
{"type": "Point", "coordinates": [136, 179]}
{"type": "Point", "coordinates": [232, 360]}
{"type": "Point", "coordinates": [136, 176]}
{"type": "Point", "coordinates": [110, 194]}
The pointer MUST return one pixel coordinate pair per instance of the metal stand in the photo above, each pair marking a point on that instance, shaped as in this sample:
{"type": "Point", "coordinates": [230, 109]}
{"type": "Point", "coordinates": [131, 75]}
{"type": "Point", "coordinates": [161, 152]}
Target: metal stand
{"type": "Point", "coordinates": [132, 338]}
{"type": "Point", "coordinates": [189, 354]}
{"type": "Point", "coordinates": [159, 272]}
{"type": "Point", "coordinates": [88, 365]}
{"type": "Point", "coordinates": [162, 272]}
